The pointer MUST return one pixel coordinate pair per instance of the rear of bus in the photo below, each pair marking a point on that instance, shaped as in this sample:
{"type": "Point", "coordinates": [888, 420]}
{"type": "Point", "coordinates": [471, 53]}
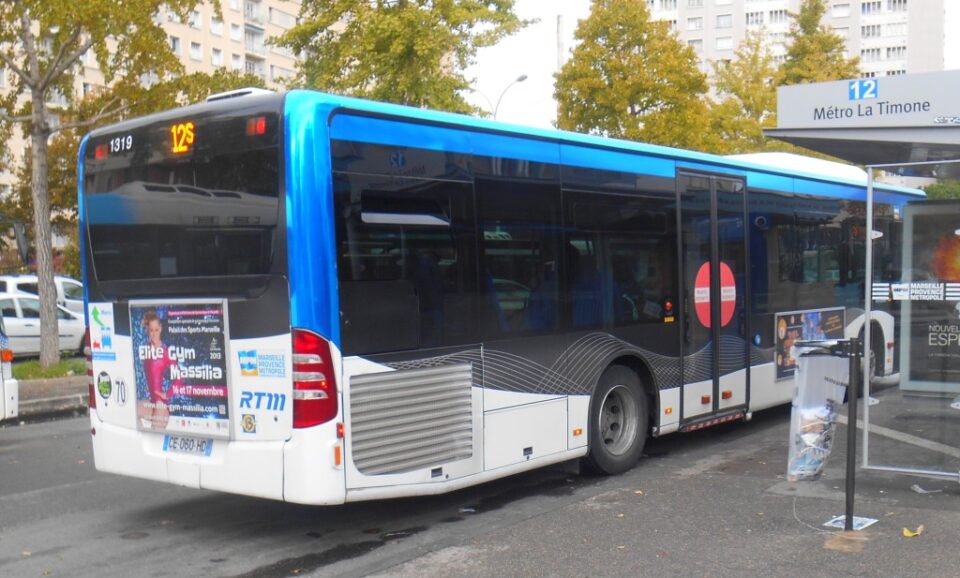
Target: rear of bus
{"type": "Point", "coordinates": [197, 378]}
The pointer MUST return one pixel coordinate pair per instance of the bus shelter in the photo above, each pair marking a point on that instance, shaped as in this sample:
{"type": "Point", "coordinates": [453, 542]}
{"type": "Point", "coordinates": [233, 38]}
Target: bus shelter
{"type": "Point", "coordinates": [904, 125]}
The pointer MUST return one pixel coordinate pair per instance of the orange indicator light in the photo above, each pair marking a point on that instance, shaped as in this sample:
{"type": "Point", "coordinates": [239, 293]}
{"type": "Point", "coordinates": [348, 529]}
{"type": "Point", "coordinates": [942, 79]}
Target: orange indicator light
{"type": "Point", "coordinates": [667, 410]}
{"type": "Point", "coordinates": [577, 431]}
{"type": "Point", "coordinates": [726, 394]}
{"type": "Point", "coordinates": [337, 457]}
{"type": "Point", "coordinates": [704, 399]}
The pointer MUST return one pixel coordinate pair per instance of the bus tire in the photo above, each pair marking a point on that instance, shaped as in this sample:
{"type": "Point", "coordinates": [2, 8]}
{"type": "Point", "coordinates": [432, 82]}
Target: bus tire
{"type": "Point", "coordinates": [618, 421]}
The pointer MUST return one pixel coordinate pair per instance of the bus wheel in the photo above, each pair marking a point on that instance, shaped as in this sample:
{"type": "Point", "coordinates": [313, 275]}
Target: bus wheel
{"type": "Point", "coordinates": [618, 421]}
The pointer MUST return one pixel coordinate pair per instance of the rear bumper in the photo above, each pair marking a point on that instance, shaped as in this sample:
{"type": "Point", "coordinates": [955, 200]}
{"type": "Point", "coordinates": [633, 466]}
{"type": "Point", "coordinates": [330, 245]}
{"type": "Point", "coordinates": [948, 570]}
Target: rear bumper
{"type": "Point", "coordinates": [293, 470]}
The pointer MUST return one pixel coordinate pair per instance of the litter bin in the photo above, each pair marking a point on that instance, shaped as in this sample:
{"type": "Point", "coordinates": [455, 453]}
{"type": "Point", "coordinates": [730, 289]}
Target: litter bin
{"type": "Point", "coordinates": [821, 380]}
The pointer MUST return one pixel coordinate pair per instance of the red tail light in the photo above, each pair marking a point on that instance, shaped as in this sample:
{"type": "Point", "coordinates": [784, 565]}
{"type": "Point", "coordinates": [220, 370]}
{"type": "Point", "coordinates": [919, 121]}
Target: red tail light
{"type": "Point", "coordinates": [314, 385]}
{"type": "Point", "coordinates": [88, 354]}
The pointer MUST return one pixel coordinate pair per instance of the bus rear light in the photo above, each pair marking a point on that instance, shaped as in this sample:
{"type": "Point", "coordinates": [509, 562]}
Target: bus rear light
{"type": "Point", "coordinates": [88, 355]}
{"type": "Point", "coordinates": [314, 386]}
{"type": "Point", "coordinates": [340, 430]}
{"type": "Point", "coordinates": [337, 455]}
{"type": "Point", "coordinates": [256, 126]}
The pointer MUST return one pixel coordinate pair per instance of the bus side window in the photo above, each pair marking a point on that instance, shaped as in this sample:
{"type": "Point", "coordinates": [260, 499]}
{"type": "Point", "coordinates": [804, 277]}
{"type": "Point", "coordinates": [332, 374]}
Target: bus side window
{"type": "Point", "coordinates": [406, 263]}
{"type": "Point", "coordinates": [520, 224]}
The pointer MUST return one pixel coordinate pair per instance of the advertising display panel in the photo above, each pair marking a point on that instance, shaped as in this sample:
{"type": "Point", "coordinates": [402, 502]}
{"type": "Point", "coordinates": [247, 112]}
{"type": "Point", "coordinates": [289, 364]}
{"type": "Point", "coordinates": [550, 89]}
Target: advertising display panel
{"type": "Point", "coordinates": [801, 326]}
{"type": "Point", "coordinates": [930, 296]}
{"type": "Point", "coordinates": [179, 354]}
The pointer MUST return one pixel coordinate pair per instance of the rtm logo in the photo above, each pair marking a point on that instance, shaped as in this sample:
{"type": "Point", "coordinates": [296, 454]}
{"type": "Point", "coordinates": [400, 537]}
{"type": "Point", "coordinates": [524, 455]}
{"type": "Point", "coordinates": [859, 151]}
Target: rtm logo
{"type": "Point", "coordinates": [263, 400]}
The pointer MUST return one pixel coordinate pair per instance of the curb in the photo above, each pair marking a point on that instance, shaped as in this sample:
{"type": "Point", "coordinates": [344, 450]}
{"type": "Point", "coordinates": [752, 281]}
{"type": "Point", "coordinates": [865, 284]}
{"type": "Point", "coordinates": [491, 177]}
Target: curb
{"type": "Point", "coordinates": [39, 397]}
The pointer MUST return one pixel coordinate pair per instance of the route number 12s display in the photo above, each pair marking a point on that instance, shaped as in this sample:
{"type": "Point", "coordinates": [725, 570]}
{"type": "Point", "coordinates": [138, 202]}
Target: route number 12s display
{"type": "Point", "coordinates": [183, 135]}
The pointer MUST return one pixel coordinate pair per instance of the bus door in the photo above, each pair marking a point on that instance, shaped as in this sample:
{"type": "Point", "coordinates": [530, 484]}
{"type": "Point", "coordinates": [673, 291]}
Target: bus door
{"type": "Point", "coordinates": [714, 256]}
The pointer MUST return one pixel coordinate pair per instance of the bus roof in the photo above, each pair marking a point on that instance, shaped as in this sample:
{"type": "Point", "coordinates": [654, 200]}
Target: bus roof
{"type": "Point", "coordinates": [751, 163]}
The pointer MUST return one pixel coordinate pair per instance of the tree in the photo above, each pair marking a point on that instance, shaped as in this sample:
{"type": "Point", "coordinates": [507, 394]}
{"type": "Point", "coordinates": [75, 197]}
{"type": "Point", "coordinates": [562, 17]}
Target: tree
{"type": "Point", "coordinates": [747, 91]}
{"type": "Point", "coordinates": [409, 52]}
{"type": "Point", "coordinates": [815, 53]}
{"type": "Point", "coordinates": [630, 77]}
{"type": "Point", "coordinates": [943, 189]}
{"type": "Point", "coordinates": [42, 43]}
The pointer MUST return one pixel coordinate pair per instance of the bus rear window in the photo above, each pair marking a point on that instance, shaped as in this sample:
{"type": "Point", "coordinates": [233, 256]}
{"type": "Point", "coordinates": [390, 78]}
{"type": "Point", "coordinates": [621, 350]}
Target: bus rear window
{"type": "Point", "coordinates": [192, 197]}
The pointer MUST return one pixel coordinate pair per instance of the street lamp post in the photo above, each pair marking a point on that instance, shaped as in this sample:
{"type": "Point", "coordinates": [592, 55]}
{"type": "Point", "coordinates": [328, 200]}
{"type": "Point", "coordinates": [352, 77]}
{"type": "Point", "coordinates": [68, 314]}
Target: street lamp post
{"type": "Point", "coordinates": [520, 78]}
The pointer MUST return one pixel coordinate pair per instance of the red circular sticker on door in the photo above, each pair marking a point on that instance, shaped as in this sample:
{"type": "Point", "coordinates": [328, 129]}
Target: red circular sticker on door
{"type": "Point", "coordinates": [728, 294]}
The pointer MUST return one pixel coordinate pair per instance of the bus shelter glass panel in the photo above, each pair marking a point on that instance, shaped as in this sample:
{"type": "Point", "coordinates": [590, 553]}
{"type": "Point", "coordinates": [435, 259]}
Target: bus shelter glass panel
{"type": "Point", "coordinates": [913, 415]}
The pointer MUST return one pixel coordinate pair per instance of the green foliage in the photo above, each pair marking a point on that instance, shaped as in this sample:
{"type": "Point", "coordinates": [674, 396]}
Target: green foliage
{"type": "Point", "coordinates": [31, 369]}
{"type": "Point", "coordinates": [815, 53]}
{"type": "Point", "coordinates": [409, 52]}
{"type": "Point", "coordinates": [747, 92]}
{"type": "Point", "coordinates": [630, 77]}
{"type": "Point", "coordinates": [943, 190]}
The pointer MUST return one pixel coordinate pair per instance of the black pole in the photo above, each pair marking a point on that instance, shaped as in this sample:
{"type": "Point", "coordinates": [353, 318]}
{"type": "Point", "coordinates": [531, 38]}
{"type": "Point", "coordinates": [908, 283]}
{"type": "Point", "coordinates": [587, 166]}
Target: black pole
{"type": "Point", "coordinates": [855, 352]}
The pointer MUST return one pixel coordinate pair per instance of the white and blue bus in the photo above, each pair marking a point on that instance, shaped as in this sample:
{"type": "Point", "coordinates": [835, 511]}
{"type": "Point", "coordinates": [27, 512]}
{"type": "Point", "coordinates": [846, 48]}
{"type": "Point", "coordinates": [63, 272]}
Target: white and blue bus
{"type": "Point", "coordinates": [319, 299]}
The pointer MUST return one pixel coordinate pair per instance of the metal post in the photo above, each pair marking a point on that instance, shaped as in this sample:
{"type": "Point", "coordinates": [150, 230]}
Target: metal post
{"type": "Point", "coordinates": [854, 349]}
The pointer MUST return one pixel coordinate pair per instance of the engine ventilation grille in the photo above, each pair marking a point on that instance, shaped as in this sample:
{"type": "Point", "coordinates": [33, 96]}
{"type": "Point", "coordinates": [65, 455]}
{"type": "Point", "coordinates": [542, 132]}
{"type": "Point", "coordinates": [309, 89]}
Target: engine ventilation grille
{"type": "Point", "coordinates": [405, 420]}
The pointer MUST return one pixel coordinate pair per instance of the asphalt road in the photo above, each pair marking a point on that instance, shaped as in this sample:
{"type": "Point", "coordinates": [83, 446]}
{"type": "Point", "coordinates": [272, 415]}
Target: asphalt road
{"type": "Point", "coordinates": [713, 503]}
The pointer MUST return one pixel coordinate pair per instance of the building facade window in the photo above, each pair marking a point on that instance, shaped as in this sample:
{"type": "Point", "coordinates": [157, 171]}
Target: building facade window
{"type": "Point", "coordinates": [897, 72]}
{"type": "Point", "coordinates": [216, 57]}
{"type": "Point", "coordinates": [725, 43]}
{"type": "Point", "coordinates": [174, 44]}
{"type": "Point", "coordinates": [668, 4]}
{"type": "Point", "coordinates": [236, 33]}
{"type": "Point", "coordinates": [216, 26]}
{"type": "Point", "coordinates": [696, 44]}
{"type": "Point", "coordinates": [695, 23]}
{"type": "Point", "coordinates": [870, 31]}
{"type": "Point", "coordinates": [896, 29]}
{"type": "Point", "coordinates": [778, 16]}
{"type": "Point", "coordinates": [842, 32]}
{"type": "Point", "coordinates": [724, 20]}
{"type": "Point", "coordinates": [236, 62]}
{"type": "Point", "coordinates": [194, 19]}
{"type": "Point", "coordinates": [196, 51]}
{"type": "Point", "coordinates": [754, 18]}
{"type": "Point", "coordinates": [896, 52]}
{"type": "Point", "coordinates": [840, 10]}
{"type": "Point", "coordinates": [870, 54]}
{"type": "Point", "coordinates": [695, 3]}
{"type": "Point", "coordinates": [897, 5]}
{"type": "Point", "coordinates": [870, 7]}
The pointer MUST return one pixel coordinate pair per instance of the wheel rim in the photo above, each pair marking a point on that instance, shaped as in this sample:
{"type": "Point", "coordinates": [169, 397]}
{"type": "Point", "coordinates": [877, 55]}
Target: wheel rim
{"type": "Point", "coordinates": [618, 420]}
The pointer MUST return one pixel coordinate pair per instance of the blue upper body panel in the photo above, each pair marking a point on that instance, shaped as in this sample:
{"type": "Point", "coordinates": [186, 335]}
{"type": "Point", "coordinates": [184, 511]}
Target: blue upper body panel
{"type": "Point", "coordinates": [312, 119]}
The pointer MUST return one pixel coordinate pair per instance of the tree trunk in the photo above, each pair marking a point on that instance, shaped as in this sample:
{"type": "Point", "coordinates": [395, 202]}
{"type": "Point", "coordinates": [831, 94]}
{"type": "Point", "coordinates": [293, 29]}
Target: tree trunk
{"type": "Point", "coordinates": [49, 330]}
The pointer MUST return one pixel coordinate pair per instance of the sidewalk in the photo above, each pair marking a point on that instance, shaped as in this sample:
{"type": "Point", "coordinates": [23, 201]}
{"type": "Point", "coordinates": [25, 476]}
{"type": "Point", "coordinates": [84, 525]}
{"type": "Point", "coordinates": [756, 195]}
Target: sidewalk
{"type": "Point", "coordinates": [45, 396]}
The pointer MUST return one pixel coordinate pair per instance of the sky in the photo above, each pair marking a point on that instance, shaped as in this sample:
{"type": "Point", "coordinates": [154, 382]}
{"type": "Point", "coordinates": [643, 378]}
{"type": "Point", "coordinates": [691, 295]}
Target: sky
{"type": "Point", "coordinates": [531, 52]}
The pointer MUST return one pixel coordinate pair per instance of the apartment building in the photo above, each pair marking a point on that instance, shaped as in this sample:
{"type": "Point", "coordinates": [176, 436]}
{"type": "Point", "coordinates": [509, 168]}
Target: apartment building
{"type": "Point", "coordinates": [890, 36]}
{"type": "Point", "coordinates": [205, 42]}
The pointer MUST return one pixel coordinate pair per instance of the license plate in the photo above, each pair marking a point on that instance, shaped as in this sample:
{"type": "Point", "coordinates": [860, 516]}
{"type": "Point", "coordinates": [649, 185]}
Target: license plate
{"type": "Point", "coordinates": [186, 445]}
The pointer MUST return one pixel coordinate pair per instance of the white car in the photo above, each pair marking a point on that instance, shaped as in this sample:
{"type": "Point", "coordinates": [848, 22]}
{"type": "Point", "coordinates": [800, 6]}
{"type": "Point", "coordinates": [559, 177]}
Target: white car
{"type": "Point", "coordinates": [69, 291]}
{"type": "Point", "coordinates": [21, 317]}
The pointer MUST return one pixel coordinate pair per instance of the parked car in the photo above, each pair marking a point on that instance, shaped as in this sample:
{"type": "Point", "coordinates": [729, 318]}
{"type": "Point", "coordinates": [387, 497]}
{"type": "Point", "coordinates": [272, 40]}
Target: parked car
{"type": "Point", "coordinates": [21, 317]}
{"type": "Point", "coordinates": [69, 291]}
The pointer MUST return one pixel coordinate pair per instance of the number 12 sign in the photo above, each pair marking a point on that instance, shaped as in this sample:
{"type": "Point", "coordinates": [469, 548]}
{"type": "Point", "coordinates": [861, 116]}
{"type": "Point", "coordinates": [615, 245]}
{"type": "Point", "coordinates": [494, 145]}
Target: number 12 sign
{"type": "Point", "coordinates": [862, 89]}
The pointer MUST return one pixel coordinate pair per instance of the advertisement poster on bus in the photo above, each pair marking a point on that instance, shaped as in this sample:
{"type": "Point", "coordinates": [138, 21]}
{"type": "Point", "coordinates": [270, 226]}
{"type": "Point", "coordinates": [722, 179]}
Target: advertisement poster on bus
{"type": "Point", "coordinates": [180, 366]}
{"type": "Point", "coordinates": [930, 292]}
{"type": "Point", "coordinates": [802, 325]}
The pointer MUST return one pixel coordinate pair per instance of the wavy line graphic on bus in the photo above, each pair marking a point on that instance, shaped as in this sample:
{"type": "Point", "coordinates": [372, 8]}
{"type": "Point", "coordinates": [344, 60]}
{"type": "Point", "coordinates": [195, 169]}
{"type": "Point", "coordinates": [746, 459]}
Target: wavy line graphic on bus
{"type": "Point", "coordinates": [579, 367]}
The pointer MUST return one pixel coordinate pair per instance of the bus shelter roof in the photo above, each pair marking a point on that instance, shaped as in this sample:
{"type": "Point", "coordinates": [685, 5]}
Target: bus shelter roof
{"type": "Point", "coordinates": [918, 150]}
